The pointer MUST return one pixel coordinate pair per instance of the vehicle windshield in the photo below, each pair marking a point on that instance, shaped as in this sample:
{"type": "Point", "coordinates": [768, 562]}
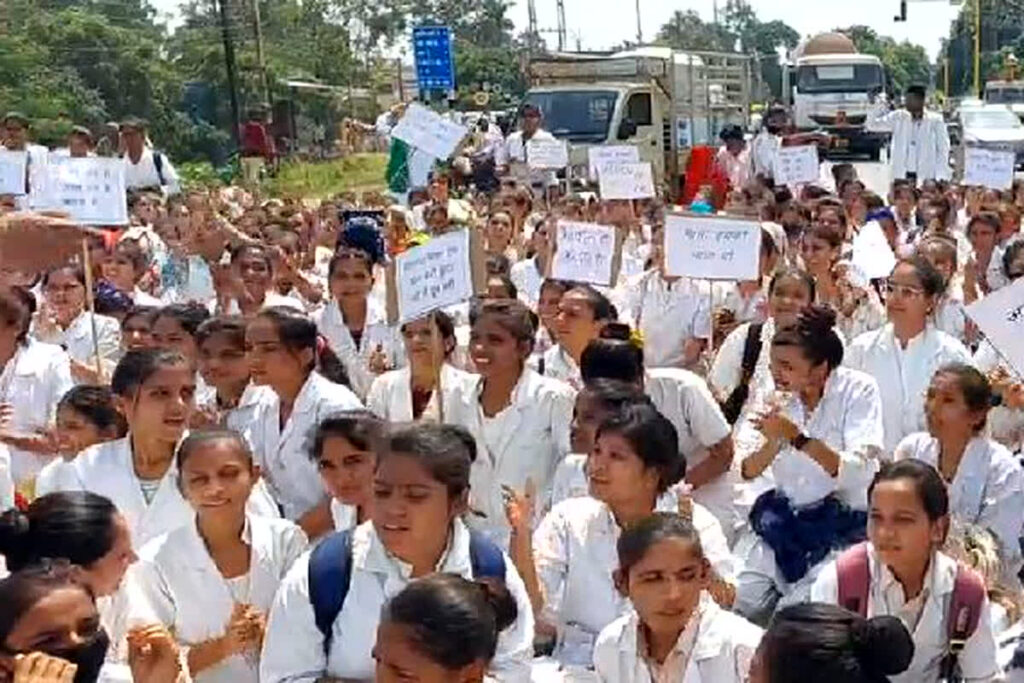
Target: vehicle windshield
{"type": "Point", "coordinates": [829, 78]}
{"type": "Point", "coordinates": [999, 118]}
{"type": "Point", "coordinates": [1004, 95]}
{"type": "Point", "coordinates": [576, 115]}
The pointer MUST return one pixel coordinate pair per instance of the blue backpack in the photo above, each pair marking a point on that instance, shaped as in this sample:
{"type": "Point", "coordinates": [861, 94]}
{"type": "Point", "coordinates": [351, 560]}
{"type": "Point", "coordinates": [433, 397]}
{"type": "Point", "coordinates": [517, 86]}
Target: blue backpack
{"type": "Point", "coordinates": [330, 573]}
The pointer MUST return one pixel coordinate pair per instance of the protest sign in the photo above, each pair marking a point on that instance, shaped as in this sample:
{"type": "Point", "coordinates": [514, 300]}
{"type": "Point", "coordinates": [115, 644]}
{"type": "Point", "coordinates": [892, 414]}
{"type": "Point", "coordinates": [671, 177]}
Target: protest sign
{"type": "Point", "coordinates": [12, 172]}
{"type": "Point", "coordinates": [988, 167]}
{"type": "Point", "coordinates": [626, 181]}
{"type": "Point", "coordinates": [547, 154]}
{"type": "Point", "coordinates": [586, 252]}
{"type": "Point", "coordinates": [872, 253]}
{"type": "Point", "coordinates": [423, 129]}
{"type": "Point", "coordinates": [712, 248]}
{"type": "Point", "coordinates": [796, 165]}
{"type": "Point", "coordinates": [611, 154]}
{"type": "Point", "coordinates": [1000, 316]}
{"type": "Point", "coordinates": [431, 276]}
{"type": "Point", "coordinates": [90, 190]}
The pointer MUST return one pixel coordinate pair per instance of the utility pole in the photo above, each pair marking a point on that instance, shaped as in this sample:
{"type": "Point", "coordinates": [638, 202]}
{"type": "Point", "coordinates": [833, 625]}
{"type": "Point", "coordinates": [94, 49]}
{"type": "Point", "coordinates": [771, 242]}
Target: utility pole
{"type": "Point", "coordinates": [260, 60]}
{"type": "Point", "coordinates": [639, 26]}
{"type": "Point", "coordinates": [977, 48]}
{"type": "Point", "coordinates": [229, 63]}
{"type": "Point", "coordinates": [560, 6]}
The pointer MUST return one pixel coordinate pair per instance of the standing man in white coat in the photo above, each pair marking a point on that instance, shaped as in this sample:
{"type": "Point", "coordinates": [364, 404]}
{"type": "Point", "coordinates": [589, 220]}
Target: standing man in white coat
{"type": "Point", "coordinates": [920, 141]}
{"type": "Point", "coordinates": [512, 158]}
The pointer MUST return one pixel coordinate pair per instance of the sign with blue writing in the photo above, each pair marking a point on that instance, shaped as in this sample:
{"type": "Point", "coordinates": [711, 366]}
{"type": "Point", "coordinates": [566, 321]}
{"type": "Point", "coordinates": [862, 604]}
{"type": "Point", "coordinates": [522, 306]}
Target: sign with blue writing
{"type": "Point", "coordinates": [435, 58]}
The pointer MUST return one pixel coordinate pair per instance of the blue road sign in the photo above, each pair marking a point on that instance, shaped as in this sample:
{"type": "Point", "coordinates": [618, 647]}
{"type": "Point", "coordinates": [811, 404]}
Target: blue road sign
{"type": "Point", "coordinates": [435, 58]}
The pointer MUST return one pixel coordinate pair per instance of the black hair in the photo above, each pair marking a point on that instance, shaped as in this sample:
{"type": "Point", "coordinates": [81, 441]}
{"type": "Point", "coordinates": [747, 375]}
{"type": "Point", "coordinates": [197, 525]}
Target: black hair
{"type": "Point", "coordinates": [652, 437]}
{"type": "Point", "coordinates": [347, 253]}
{"type": "Point", "coordinates": [446, 451]}
{"type": "Point", "coordinates": [148, 313]}
{"type": "Point", "coordinates": [819, 642]}
{"type": "Point", "coordinates": [989, 218]}
{"type": "Point", "coordinates": [975, 387]}
{"type": "Point", "coordinates": [77, 526]}
{"type": "Point", "coordinates": [814, 334]}
{"type": "Point", "coordinates": [511, 291]}
{"type": "Point", "coordinates": [498, 264]}
{"type": "Point", "coordinates": [612, 357]}
{"type": "Point", "coordinates": [298, 333]}
{"type": "Point", "coordinates": [16, 310]}
{"type": "Point", "coordinates": [231, 326]}
{"type": "Point", "coordinates": [96, 404]}
{"type": "Point", "coordinates": [20, 591]}
{"type": "Point", "coordinates": [563, 285]}
{"type": "Point", "coordinates": [360, 427]}
{"type": "Point", "coordinates": [917, 89]}
{"type": "Point", "coordinates": [832, 235]}
{"type": "Point", "coordinates": [931, 279]}
{"type": "Point", "coordinates": [803, 276]}
{"type": "Point", "coordinates": [598, 302]}
{"type": "Point", "coordinates": [512, 315]}
{"type": "Point", "coordinates": [189, 316]}
{"type": "Point", "coordinates": [76, 272]}
{"type": "Point", "coordinates": [199, 438]}
{"type": "Point", "coordinates": [136, 367]}
{"type": "Point", "coordinates": [445, 328]}
{"type": "Point", "coordinates": [927, 481]}
{"type": "Point", "coordinates": [134, 252]}
{"type": "Point", "coordinates": [1010, 254]}
{"type": "Point", "coordinates": [454, 622]}
{"type": "Point", "coordinates": [637, 538]}
{"type": "Point", "coordinates": [612, 394]}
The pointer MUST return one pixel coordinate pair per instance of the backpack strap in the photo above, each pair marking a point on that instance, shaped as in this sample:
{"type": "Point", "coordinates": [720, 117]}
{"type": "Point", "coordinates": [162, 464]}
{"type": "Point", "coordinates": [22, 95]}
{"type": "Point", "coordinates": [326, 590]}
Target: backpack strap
{"type": "Point", "coordinates": [751, 350]}
{"type": "Point", "coordinates": [486, 558]}
{"type": "Point", "coordinates": [158, 163]}
{"type": "Point", "coordinates": [330, 572]}
{"type": "Point", "coordinates": [964, 614]}
{"type": "Point", "coordinates": [854, 579]}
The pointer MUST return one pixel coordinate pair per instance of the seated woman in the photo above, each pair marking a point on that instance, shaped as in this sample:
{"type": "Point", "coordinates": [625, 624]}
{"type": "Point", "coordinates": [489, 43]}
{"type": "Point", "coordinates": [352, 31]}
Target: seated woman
{"type": "Point", "coordinates": [344, 450]}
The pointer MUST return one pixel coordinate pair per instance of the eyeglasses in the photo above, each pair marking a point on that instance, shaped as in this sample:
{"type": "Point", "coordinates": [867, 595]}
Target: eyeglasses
{"type": "Point", "coordinates": [902, 290]}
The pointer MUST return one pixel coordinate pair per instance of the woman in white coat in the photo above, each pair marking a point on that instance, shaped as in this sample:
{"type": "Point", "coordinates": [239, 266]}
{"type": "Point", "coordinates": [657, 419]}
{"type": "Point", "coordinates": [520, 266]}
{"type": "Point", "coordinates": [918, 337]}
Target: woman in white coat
{"type": "Point", "coordinates": [285, 355]}
{"type": "Point", "coordinates": [986, 483]}
{"type": "Point", "coordinates": [355, 327]}
{"type": "Point", "coordinates": [410, 393]}
{"type": "Point", "coordinates": [212, 582]}
{"type": "Point", "coordinates": [908, 577]}
{"type": "Point", "coordinates": [421, 490]}
{"type": "Point", "coordinates": [33, 378]}
{"type": "Point", "coordinates": [344, 452]}
{"type": "Point", "coordinates": [520, 420]}
{"type": "Point", "coordinates": [582, 313]}
{"type": "Point", "coordinates": [676, 631]}
{"type": "Point", "coordinates": [63, 320]}
{"type": "Point", "coordinates": [903, 355]}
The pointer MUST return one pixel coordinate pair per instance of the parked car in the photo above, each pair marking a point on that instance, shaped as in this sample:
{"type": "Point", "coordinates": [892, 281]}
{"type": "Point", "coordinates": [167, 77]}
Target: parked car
{"type": "Point", "coordinates": [992, 126]}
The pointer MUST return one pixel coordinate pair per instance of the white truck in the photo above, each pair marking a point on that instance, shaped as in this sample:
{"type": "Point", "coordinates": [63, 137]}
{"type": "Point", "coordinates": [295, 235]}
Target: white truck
{"type": "Point", "coordinates": [829, 84]}
{"type": "Point", "coordinates": [661, 100]}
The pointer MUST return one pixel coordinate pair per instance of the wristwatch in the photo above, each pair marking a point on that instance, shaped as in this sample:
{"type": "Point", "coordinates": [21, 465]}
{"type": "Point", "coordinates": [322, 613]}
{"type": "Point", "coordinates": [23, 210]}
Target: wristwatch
{"type": "Point", "coordinates": [799, 441]}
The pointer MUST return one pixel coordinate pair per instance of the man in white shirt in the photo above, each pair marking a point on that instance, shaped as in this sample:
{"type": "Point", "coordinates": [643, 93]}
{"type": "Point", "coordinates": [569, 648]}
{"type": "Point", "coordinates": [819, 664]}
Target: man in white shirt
{"type": "Point", "coordinates": [920, 141]}
{"type": "Point", "coordinates": [767, 142]}
{"type": "Point", "coordinates": [14, 133]}
{"type": "Point", "coordinates": [144, 167]}
{"type": "Point", "coordinates": [512, 157]}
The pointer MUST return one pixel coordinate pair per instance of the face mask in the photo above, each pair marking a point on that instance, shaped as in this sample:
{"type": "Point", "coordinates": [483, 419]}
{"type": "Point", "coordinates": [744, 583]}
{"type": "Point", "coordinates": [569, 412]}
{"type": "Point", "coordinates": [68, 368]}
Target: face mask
{"type": "Point", "coordinates": [89, 656]}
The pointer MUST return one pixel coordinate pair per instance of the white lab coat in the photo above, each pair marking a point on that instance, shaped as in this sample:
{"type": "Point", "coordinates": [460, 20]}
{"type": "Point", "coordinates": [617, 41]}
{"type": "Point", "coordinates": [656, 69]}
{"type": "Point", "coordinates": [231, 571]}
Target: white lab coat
{"type": "Point", "coordinates": [376, 332]}
{"type": "Point", "coordinates": [763, 152]}
{"type": "Point", "coordinates": [283, 454]}
{"type": "Point", "coordinates": [987, 490]}
{"type": "Point", "coordinates": [558, 364]}
{"type": "Point", "coordinates": [726, 370]}
{"type": "Point", "coordinates": [903, 375]}
{"type": "Point", "coordinates": [107, 469]}
{"type": "Point", "coordinates": [932, 159]}
{"type": "Point", "coordinates": [390, 396]}
{"type": "Point", "coordinates": [524, 441]}
{"type": "Point", "coordinates": [144, 173]}
{"type": "Point", "coordinates": [32, 383]}
{"type": "Point", "coordinates": [180, 584]}
{"type": "Point", "coordinates": [575, 555]}
{"type": "Point", "coordinates": [6, 480]}
{"type": "Point", "coordinates": [885, 597]}
{"type": "Point", "coordinates": [77, 340]}
{"type": "Point", "coordinates": [293, 650]}
{"type": "Point", "coordinates": [722, 652]}
{"type": "Point", "coordinates": [344, 516]}
{"type": "Point", "coordinates": [515, 152]}
{"type": "Point", "coordinates": [668, 314]}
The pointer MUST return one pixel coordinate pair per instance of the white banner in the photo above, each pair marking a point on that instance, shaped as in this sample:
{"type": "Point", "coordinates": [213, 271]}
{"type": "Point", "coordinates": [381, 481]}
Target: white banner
{"type": "Point", "coordinates": [426, 130]}
{"type": "Point", "coordinates": [988, 168]}
{"type": "Point", "coordinates": [91, 190]}
{"type": "Point", "coordinates": [1000, 316]}
{"type": "Point", "coordinates": [796, 165]}
{"type": "Point", "coordinates": [547, 154]}
{"type": "Point", "coordinates": [626, 181]}
{"type": "Point", "coordinates": [872, 253]}
{"type": "Point", "coordinates": [434, 275]}
{"type": "Point", "coordinates": [584, 252]}
{"type": "Point", "coordinates": [712, 248]}
{"type": "Point", "coordinates": [12, 171]}
{"type": "Point", "coordinates": [603, 155]}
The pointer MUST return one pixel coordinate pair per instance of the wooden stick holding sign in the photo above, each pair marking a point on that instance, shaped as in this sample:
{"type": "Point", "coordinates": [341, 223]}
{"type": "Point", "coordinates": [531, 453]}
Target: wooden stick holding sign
{"type": "Point", "coordinates": [437, 359]}
{"type": "Point", "coordinates": [90, 305]}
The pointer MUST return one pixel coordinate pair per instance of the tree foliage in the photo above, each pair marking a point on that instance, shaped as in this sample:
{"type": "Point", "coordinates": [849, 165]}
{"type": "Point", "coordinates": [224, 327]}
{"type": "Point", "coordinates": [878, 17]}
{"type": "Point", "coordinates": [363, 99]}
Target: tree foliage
{"type": "Point", "coordinates": [906, 63]}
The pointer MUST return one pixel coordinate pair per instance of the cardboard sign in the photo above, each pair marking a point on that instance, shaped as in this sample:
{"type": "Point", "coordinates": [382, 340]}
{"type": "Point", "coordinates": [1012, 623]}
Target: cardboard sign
{"type": "Point", "coordinates": [626, 181]}
{"type": "Point", "coordinates": [432, 276]}
{"type": "Point", "coordinates": [586, 252]}
{"type": "Point", "coordinates": [611, 154]}
{"type": "Point", "coordinates": [1000, 316]}
{"type": "Point", "coordinates": [89, 190]}
{"type": "Point", "coordinates": [872, 253]}
{"type": "Point", "coordinates": [424, 129]}
{"type": "Point", "coordinates": [988, 168]}
{"type": "Point", "coordinates": [796, 165]}
{"type": "Point", "coordinates": [712, 248]}
{"type": "Point", "coordinates": [12, 171]}
{"type": "Point", "coordinates": [547, 154]}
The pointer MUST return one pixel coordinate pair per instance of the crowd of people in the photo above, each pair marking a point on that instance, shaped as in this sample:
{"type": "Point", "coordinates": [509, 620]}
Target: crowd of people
{"type": "Point", "coordinates": [222, 460]}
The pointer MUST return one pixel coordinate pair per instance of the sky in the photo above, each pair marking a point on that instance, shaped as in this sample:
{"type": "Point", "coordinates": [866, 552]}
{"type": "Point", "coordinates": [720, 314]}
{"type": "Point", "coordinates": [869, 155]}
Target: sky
{"type": "Point", "coordinates": [601, 24]}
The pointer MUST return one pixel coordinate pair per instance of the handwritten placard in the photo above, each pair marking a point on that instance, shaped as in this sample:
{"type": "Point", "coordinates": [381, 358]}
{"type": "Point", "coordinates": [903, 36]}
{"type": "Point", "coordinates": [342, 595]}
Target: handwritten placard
{"type": "Point", "coordinates": [872, 253]}
{"type": "Point", "coordinates": [988, 168]}
{"type": "Point", "coordinates": [434, 275]}
{"type": "Point", "coordinates": [426, 130]}
{"type": "Point", "coordinates": [547, 154]}
{"type": "Point", "coordinates": [12, 172]}
{"type": "Point", "coordinates": [1000, 316]}
{"type": "Point", "coordinates": [604, 155]}
{"type": "Point", "coordinates": [712, 248]}
{"type": "Point", "coordinates": [584, 252]}
{"type": "Point", "coordinates": [626, 181]}
{"type": "Point", "coordinates": [90, 190]}
{"type": "Point", "coordinates": [796, 165]}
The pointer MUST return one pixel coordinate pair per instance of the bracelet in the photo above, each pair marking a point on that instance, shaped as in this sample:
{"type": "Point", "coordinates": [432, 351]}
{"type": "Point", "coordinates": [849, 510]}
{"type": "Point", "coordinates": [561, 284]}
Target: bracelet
{"type": "Point", "coordinates": [799, 441]}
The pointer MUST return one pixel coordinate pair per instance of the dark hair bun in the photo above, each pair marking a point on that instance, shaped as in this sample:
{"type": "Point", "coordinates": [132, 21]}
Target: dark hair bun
{"type": "Point", "coordinates": [617, 331]}
{"type": "Point", "coordinates": [883, 645]}
{"type": "Point", "coordinates": [14, 528]}
{"type": "Point", "coordinates": [816, 320]}
{"type": "Point", "coordinates": [501, 601]}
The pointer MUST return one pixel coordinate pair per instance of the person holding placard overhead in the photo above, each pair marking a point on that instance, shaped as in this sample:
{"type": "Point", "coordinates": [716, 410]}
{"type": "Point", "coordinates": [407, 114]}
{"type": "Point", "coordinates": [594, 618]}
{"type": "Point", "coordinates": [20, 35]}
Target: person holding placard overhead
{"type": "Point", "coordinates": [920, 141]}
